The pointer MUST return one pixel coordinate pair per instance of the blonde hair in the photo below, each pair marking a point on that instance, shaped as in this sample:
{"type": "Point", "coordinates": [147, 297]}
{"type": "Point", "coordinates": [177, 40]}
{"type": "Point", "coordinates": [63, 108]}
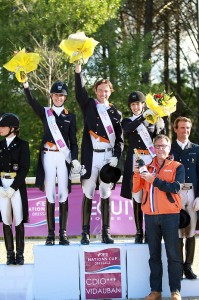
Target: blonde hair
{"type": "Point", "coordinates": [181, 119]}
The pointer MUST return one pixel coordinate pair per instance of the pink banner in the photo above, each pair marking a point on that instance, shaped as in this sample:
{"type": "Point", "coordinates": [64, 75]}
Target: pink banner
{"type": "Point", "coordinates": [103, 274]}
{"type": "Point", "coordinates": [122, 222]}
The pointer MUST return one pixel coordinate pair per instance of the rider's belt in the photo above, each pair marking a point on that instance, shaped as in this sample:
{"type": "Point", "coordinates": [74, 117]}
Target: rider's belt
{"type": "Point", "coordinates": [143, 152]}
{"type": "Point", "coordinates": [102, 150]}
{"type": "Point", "coordinates": [48, 149]}
{"type": "Point", "coordinates": [187, 186]}
{"type": "Point", "coordinates": [96, 136]}
{"type": "Point", "coordinates": [7, 175]}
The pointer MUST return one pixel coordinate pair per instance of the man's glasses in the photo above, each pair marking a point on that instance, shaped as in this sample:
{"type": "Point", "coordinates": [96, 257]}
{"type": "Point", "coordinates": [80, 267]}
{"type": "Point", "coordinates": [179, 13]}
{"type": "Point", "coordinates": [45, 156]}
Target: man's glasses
{"type": "Point", "coordinates": [160, 146]}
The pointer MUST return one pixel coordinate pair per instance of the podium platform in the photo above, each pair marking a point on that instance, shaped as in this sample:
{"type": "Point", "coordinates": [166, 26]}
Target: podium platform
{"type": "Point", "coordinates": [16, 282]}
{"type": "Point", "coordinates": [56, 272]}
{"type": "Point", "coordinates": [96, 271]}
{"type": "Point", "coordinates": [138, 273]}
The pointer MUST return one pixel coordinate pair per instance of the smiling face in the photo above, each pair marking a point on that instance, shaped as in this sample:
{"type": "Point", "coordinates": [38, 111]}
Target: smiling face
{"type": "Point", "coordinates": [103, 92]}
{"type": "Point", "coordinates": [183, 131]}
{"type": "Point", "coordinates": [162, 148]}
{"type": "Point", "coordinates": [137, 108]}
{"type": "Point", "coordinates": [58, 99]}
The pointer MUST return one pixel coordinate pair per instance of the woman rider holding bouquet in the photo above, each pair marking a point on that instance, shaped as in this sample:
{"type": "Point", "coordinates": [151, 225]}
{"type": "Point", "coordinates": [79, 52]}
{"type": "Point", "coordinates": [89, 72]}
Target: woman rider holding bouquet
{"type": "Point", "coordinates": [140, 134]}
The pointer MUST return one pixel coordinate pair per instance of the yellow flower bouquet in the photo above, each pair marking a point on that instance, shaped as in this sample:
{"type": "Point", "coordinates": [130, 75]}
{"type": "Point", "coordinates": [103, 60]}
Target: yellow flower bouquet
{"type": "Point", "coordinates": [161, 104]}
{"type": "Point", "coordinates": [79, 47]}
{"type": "Point", "coordinates": [22, 64]}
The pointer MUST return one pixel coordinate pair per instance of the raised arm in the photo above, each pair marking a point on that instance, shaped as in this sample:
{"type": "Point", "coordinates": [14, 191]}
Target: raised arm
{"type": "Point", "coordinates": [36, 106]}
{"type": "Point", "coordinates": [80, 90]}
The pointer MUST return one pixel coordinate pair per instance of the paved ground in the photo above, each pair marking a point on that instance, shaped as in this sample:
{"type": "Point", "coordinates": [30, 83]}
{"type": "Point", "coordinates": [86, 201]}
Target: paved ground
{"type": "Point", "coordinates": [29, 257]}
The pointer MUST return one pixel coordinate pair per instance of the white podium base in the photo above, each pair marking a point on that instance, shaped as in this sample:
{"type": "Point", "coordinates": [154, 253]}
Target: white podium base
{"type": "Point", "coordinates": [138, 274]}
{"type": "Point", "coordinates": [16, 282]}
{"type": "Point", "coordinates": [59, 273]}
{"type": "Point", "coordinates": [56, 272]}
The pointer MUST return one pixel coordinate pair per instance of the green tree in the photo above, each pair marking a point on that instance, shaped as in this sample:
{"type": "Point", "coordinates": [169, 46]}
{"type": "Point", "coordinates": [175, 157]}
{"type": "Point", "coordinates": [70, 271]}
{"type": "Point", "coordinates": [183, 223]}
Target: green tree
{"type": "Point", "coordinates": [39, 26]}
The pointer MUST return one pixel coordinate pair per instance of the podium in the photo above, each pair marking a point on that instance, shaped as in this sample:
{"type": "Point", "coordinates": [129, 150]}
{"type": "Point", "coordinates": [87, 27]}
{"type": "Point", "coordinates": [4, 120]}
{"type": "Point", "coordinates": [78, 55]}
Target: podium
{"type": "Point", "coordinates": [56, 272]}
{"type": "Point", "coordinates": [96, 271]}
{"type": "Point", "coordinates": [138, 273]}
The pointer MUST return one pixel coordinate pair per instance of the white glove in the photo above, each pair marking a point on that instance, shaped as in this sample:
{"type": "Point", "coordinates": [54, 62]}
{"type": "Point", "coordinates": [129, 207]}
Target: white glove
{"type": "Point", "coordinates": [26, 85]}
{"type": "Point", "coordinates": [9, 192]}
{"type": "Point", "coordinates": [76, 167]}
{"type": "Point", "coordinates": [196, 204]}
{"type": "Point", "coordinates": [3, 193]}
{"type": "Point", "coordinates": [148, 112]}
{"type": "Point", "coordinates": [159, 125]}
{"type": "Point", "coordinates": [113, 161]}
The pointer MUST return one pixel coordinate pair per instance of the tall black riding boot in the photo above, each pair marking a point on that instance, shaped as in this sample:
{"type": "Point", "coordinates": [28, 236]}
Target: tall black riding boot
{"type": "Point", "coordinates": [19, 244]}
{"type": "Point", "coordinates": [138, 217]}
{"type": "Point", "coordinates": [50, 216]}
{"type": "Point", "coordinates": [180, 253]}
{"type": "Point", "coordinates": [86, 217]}
{"type": "Point", "coordinates": [189, 252]}
{"type": "Point", "coordinates": [63, 220]}
{"type": "Point", "coordinates": [105, 210]}
{"type": "Point", "coordinates": [8, 238]}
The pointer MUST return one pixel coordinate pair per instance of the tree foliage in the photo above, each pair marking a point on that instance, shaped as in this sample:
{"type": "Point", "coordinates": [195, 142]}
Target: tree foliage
{"type": "Point", "coordinates": [142, 47]}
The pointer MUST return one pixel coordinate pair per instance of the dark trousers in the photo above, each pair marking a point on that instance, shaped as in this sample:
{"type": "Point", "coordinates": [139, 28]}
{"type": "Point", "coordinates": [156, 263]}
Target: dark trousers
{"type": "Point", "coordinates": [166, 227]}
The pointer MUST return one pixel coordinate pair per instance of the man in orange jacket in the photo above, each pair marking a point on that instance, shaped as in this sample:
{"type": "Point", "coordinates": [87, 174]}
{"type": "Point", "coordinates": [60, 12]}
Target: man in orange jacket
{"type": "Point", "coordinates": [161, 204]}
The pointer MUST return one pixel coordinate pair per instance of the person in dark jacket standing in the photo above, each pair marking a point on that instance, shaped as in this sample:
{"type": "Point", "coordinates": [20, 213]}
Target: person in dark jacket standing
{"type": "Point", "coordinates": [59, 151]}
{"type": "Point", "coordinates": [102, 143]}
{"type": "Point", "coordinates": [188, 154]}
{"type": "Point", "coordinates": [14, 167]}
{"type": "Point", "coordinates": [140, 134]}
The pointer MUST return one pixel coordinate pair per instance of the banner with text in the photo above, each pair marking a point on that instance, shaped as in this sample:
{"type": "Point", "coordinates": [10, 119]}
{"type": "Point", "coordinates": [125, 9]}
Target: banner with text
{"type": "Point", "coordinates": [122, 220]}
{"type": "Point", "coordinates": [102, 273]}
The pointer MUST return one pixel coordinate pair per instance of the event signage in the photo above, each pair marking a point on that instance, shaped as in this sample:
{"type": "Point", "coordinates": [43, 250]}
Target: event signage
{"type": "Point", "coordinates": [122, 222]}
{"type": "Point", "coordinates": [103, 274]}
